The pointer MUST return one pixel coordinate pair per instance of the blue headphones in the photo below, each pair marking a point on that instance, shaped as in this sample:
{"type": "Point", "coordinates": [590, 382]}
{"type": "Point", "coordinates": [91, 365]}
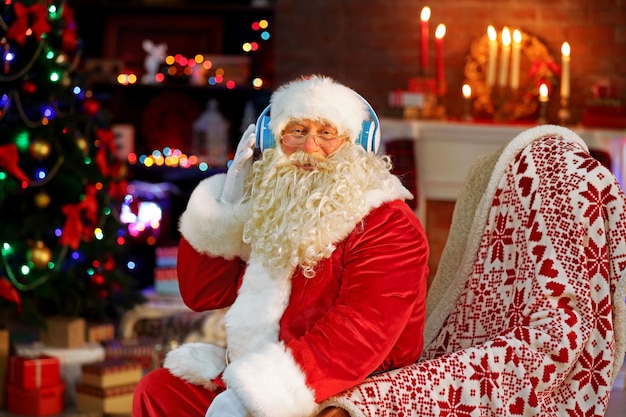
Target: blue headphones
{"type": "Point", "coordinates": [369, 136]}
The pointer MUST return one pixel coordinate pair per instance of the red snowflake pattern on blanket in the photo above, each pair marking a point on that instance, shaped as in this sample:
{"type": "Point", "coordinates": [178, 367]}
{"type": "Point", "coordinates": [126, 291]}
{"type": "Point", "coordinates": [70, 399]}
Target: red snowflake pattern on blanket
{"type": "Point", "coordinates": [532, 331]}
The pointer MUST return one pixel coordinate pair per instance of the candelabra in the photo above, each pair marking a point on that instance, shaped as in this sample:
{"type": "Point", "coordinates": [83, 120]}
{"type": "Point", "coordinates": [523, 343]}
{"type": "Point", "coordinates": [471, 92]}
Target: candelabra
{"type": "Point", "coordinates": [564, 113]}
{"type": "Point", "coordinates": [467, 94]}
{"type": "Point", "coordinates": [501, 98]}
{"type": "Point", "coordinates": [515, 99]}
{"type": "Point", "coordinates": [543, 105]}
{"type": "Point", "coordinates": [467, 116]}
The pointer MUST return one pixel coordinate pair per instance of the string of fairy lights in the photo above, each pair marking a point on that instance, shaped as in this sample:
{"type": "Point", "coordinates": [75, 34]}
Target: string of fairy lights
{"type": "Point", "coordinates": [178, 66]}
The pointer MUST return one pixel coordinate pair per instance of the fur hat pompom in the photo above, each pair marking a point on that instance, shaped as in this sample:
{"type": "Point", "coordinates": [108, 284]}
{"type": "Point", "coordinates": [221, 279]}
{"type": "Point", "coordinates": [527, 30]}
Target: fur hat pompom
{"type": "Point", "coordinates": [318, 98]}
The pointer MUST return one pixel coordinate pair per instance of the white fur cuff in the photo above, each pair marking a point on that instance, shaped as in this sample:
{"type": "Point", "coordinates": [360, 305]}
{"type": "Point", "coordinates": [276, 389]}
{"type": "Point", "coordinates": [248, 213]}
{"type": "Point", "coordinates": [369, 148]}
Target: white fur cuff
{"type": "Point", "coordinates": [212, 226]}
{"type": "Point", "coordinates": [197, 363]}
{"type": "Point", "coordinates": [269, 383]}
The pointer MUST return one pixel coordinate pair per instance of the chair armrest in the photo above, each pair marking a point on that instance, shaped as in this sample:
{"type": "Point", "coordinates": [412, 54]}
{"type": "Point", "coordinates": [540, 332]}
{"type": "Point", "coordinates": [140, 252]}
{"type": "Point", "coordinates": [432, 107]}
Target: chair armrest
{"type": "Point", "coordinates": [333, 412]}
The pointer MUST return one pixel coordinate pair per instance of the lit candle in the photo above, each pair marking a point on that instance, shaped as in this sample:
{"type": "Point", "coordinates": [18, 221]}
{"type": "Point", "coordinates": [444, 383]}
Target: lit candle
{"type": "Point", "coordinates": [504, 59]}
{"type": "Point", "coordinates": [439, 34]}
{"type": "Point", "coordinates": [543, 102]}
{"type": "Point", "coordinates": [543, 92]}
{"type": "Point", "coordinates": [424, 17]}
{"type": "Point", "coordinates": [467, 94]}
{"type": "Point", "coordinates": [565, 58]}
{"type": "Point", "coordinates": [515, 58]}
{"type": "Point", "coordinates": [467, 91]}
{"type": "Point", "coordinates": [493, 52]}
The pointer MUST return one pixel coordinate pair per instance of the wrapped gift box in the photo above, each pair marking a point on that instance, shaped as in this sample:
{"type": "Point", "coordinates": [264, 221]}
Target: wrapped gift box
{"type": "Point", "coordinates": [71, 361]}
{"type": "Point", "coordinates": [100, 332]}
{"type": "Point", "coordinates": [137, 350]}
{"type": "Point", "coordinates": [3, 391]}
{"type": "Point", "coordinates": [165, 276]}
{"type": "Point", "coordinates": [166, 281]}
{"type": "Point", "coordinates": [114, 400]}
{"type": "Point", "coordinates": [111, 373]}
{"type": "Point", "coordinates": [35, 402]}
{"type": "Point", "coordinates": [65, 332]}
{"type": "Point", "coordinates": [4, 358]}
{"type": "Point", "coordinates": [34, 372]}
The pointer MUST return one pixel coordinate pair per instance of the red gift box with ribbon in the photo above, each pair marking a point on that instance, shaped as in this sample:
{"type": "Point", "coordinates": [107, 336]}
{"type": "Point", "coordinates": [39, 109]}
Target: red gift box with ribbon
{"type": "Point", "coordinates": [45, 401]}
{"type": "Point", "coordinates": [34, 372]}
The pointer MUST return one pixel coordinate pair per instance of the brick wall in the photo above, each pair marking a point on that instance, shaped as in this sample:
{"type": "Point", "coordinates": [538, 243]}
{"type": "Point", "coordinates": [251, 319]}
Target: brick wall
{"type": "Point", "coordinates": [373, 45]}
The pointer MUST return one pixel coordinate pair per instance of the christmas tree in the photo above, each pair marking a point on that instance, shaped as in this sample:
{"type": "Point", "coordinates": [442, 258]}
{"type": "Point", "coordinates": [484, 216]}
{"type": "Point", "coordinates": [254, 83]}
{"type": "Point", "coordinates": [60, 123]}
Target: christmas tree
{"type": "Point", "coordinates": [61, 180]}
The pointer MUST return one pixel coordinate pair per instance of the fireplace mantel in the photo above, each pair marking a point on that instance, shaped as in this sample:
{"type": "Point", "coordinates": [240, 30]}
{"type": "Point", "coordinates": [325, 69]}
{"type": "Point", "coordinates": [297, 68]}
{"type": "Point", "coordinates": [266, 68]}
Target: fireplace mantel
{"type": "Point", "coordinates": [444, 151]}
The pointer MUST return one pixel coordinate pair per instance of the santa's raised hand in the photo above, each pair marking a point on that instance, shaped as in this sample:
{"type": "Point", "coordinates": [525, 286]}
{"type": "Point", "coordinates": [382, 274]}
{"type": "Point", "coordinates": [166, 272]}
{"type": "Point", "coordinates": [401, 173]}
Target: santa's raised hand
{"type": "Point", "coordinates": [239, 168]}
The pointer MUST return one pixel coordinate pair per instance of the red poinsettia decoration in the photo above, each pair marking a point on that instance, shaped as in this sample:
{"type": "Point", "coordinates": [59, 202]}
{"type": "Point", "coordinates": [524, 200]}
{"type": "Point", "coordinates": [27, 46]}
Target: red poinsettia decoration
{"type": "Point", "coordinates": [68, 37]}
{"type": "Point", "coordinates": [107, 147]}
{"type": "Point", "coordinates": [37, 13]}
{"type": "Point", "coordinates": [10, 293]}
{"type": "Point", "coordinates": [115, 170]}
{"type": "Point", "coordinates": [8, 161]}
{"type": "Point", "coordinates": [544, 68]}
{"type": "Point", "coordinates": [80, 219]}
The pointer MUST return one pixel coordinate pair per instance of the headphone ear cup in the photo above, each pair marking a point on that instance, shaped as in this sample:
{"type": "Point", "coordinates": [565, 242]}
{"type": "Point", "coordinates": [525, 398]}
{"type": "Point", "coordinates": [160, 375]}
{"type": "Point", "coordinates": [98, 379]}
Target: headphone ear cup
{"type": "Point", "coordinates": [264, 136]}
{"type": "Point", "coordinates": [369, 137]}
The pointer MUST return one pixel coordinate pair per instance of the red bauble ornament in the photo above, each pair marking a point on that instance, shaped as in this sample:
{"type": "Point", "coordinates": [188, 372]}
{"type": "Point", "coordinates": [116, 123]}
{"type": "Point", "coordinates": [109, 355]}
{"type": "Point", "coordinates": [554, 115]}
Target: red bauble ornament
{"type": "Point", "coordinates": [97, 279]}
{"type": "Point", "coordinates": [109, 263]}
{"type": "Point", "coordinates": [29, 87]}
{"type": "Point", "coordinates": [91, 106]}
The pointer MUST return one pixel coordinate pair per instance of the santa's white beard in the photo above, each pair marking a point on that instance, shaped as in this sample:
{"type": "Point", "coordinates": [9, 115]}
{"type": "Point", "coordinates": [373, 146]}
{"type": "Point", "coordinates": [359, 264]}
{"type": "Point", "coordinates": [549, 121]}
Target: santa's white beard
{"type": "Point", "coordinates": [299, 215]}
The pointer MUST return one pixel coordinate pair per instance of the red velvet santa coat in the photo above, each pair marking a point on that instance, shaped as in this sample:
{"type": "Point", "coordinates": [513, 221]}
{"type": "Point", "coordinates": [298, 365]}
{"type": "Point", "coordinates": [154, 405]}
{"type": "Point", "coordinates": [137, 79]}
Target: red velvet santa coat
{"type": "Point", "coordinates": [295, 341]}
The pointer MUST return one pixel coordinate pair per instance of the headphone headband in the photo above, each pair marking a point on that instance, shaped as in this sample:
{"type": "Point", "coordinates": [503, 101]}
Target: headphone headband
{"type": "Point", "coordinates": [368, 138]}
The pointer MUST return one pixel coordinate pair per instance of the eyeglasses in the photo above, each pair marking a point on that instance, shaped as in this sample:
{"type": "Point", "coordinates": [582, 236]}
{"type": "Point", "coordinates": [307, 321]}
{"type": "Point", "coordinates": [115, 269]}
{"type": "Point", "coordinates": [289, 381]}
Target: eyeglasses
{"type": "Point", "coordinates": [324, 140]}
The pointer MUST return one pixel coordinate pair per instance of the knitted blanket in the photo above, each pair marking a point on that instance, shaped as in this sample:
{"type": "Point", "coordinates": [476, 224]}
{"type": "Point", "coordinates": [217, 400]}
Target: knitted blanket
{"type": "Point", "coordinates": [526, 314]}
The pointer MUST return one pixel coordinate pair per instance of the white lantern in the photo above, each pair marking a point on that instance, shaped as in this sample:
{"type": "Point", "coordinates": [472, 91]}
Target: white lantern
{"type": "Point", "coordinates": [210, 136]}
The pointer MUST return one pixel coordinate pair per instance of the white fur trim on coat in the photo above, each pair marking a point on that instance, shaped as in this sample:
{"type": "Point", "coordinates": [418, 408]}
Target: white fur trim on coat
{"type": "Point", "coordinates": [212, 226]}
{"type": "Point", "coordinates": [269, 383]}
{"type": "Point", "coordinates": [197, 363]}
{"type": "Point", "coordinates": [253, 319]}
{"type": "Point", "coordinates": [394, 191]}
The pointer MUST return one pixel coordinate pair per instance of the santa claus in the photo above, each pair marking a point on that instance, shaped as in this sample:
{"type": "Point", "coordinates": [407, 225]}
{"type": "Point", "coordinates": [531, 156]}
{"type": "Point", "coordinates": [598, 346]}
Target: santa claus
{"type": "Point", "coordinates": [317, 256]}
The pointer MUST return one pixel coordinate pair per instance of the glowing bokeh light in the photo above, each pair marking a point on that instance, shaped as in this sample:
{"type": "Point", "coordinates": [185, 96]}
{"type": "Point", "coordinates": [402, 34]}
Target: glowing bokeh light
{"type": "Point", "coordinates": [257, 83]}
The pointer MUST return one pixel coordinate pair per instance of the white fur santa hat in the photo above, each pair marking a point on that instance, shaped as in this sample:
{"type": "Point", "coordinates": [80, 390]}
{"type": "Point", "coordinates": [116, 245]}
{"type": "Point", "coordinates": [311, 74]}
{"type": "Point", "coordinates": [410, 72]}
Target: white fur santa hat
{"type": "Point", "coordinates": [318, 97]}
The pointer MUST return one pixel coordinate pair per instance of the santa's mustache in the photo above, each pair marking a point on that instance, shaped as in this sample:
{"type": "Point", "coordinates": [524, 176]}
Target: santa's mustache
{"type": "Point", "coordinates": [301, 159]}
